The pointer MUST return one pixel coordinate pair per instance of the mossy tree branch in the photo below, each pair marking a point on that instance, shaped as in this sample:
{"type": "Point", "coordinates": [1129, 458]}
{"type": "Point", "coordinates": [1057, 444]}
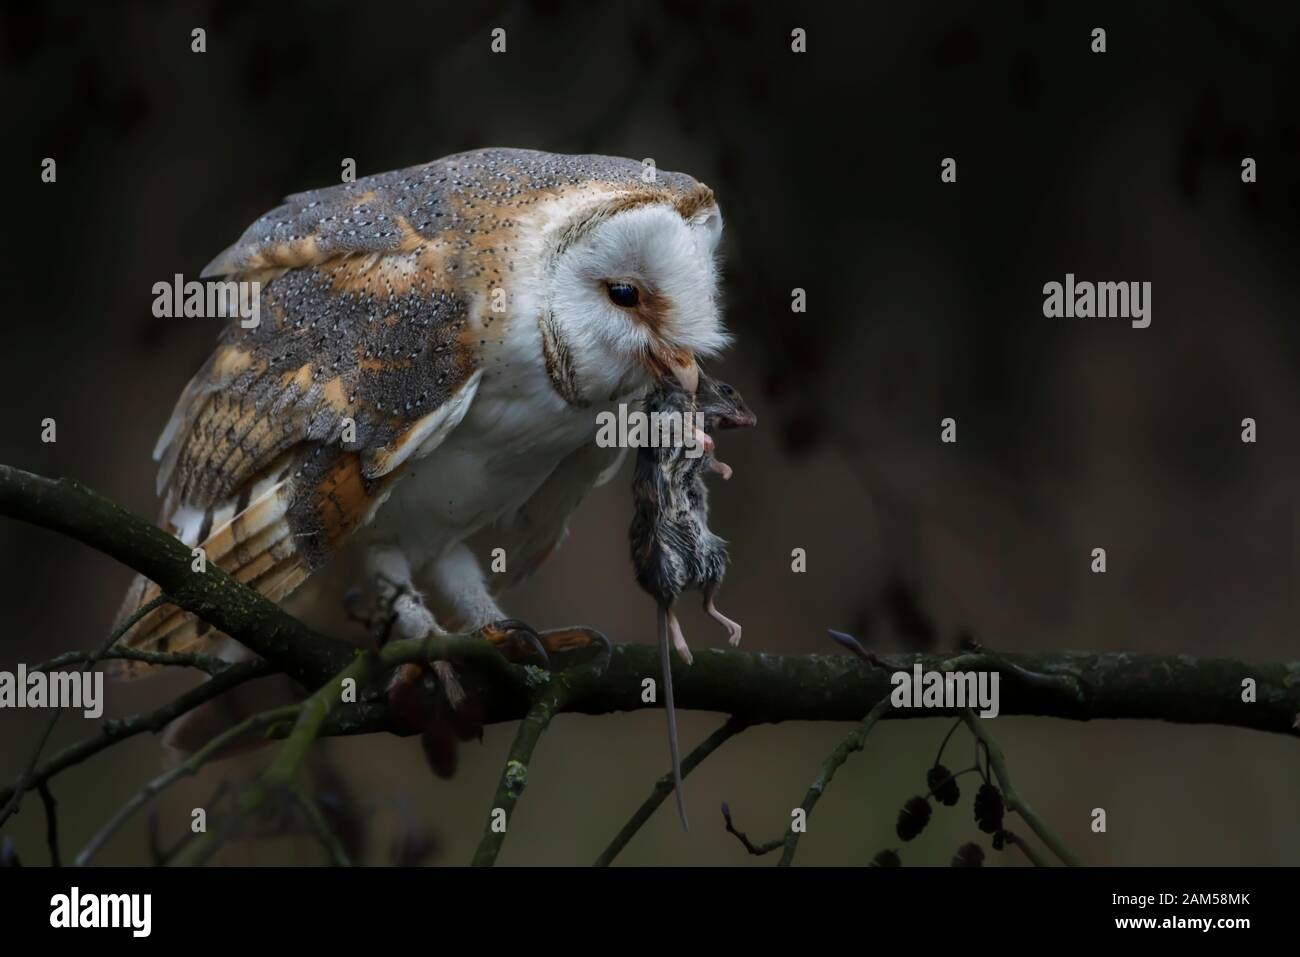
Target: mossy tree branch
{"type": "Point", "coordinates": [854, 742]}
{"type": "Point", "coordinates": [758, 688]}
{"type": "Point", "coordinates": [664, 787]}
{"type": "Point", "coordinates": [1014, 802]}
{"type": "Point", "coordinates": [66, 506]}
{"type": "Point", "coordinates": [762, 688]}
{"type": "Point", "coordinates": [250, 726]}
{"type": "Point", "coordinates": [751, 688]}
{"type": "Point", "coordinates": [514, 776]}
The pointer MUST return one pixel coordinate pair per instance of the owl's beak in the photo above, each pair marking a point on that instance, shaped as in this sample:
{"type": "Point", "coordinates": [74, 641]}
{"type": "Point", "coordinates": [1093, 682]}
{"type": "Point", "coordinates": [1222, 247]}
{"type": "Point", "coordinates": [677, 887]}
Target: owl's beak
{"type": "Point", "coordinates": [678, 363]}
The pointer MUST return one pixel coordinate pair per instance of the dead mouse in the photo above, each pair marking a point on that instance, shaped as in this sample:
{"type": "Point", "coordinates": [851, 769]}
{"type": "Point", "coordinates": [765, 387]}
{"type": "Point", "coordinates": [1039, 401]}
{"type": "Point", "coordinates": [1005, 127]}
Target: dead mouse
{"type": "Point", "coordinates": [673, 548]}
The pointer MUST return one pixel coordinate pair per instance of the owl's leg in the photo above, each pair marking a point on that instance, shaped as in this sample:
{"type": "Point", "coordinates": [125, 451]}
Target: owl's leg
{"type": "Point", "coordinates": [463, 599]}
{"type": "Point", "coordinates": [402, 613]}
{"type": "Point", "coordinates": [733, 628]}
{"type": "Point", "coordinates": [459, 591]}
{"type": "Point", "coordinates": [402, 607]}
{"type": "Point", "coordinates": [406, 616]}
{"type": "Point", "coordinates": [462, 596]}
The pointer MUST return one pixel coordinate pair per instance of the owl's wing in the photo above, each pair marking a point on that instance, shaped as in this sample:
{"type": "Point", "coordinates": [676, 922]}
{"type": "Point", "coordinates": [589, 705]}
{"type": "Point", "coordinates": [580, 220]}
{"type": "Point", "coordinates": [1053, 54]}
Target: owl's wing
{"type": "Point", "coordinates": [293, 432]}
{"type": "Point", "coordinates": [533, 532]}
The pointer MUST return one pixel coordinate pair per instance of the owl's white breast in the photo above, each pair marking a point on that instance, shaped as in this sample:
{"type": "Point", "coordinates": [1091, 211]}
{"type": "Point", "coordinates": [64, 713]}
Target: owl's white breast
{"type": "Point", "coordinates": [516, 431]}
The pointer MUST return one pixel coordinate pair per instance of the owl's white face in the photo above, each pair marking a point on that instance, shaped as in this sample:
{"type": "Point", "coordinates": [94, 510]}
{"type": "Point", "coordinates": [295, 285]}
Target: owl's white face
{"type": "Point", "coordinates": [634, 297]}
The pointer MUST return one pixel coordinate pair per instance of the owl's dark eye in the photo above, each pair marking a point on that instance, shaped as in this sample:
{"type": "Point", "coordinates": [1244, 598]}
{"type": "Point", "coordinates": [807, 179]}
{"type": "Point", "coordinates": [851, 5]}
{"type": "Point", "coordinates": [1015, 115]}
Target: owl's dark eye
{"type": "Point", "coordinates": [623, 294]}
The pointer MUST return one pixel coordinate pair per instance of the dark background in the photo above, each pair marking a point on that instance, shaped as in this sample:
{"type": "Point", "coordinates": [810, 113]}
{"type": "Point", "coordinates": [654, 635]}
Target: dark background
{"type": "Point", "coordinates": [924, 301]}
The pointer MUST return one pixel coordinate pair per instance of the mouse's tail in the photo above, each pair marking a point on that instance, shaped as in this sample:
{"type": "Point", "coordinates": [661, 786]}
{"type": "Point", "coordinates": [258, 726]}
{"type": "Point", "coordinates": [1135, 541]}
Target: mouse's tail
{"type": "Point", "coordinates": [665, 656]}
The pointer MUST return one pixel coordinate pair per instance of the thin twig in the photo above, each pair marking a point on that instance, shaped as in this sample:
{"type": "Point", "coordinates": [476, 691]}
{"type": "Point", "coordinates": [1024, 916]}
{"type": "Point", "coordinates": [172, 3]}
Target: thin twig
{"type": "Point", "coordinates": [311, 715]}
{"type": "Point", "coordinates": [664, 787]}
{"type": "Point", "coordinates": [938, 758]}
{"type": "Point", "coordinates": [279, 778]}
{"type": "Point", "coordinates": [514, 776]}
{"type": "Point", "coordinates": [1013, 800]}
{"type": "Point", "coordinates": [197, 848]}
{"type": "Point", "coordinates": [190, 766]}
{"type": "Point", "coordinates": [314, 712]}
{"type": "Point", "coordinates": [156, 854]}
{"type": "Point", "coordinates": [758, 850]}
{"type": "Point", "coordinates": [790, 840]}
{"type": "Point", "coordinates": [328, 839]}
{"type": "Point", "coordinates": [160, 857]}
{"type": "Point", "coordinates": [51, 824]}
{"type": "Point", "coordinates": [854, 742]}
{"type": "Point", "coordinates": [119, 730]}
{"type": "Point", "coordinates": [178, 659]}
{"type": "Point", "coordinates": [24, 779]}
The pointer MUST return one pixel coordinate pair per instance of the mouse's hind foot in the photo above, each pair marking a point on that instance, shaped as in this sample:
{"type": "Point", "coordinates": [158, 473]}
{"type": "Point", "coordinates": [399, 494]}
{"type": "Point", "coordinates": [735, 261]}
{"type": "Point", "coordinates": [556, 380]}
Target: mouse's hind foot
{"type": "Point", "coordinates": [733, 628]}
{"type": "Point", "coordinates": [679, 640]}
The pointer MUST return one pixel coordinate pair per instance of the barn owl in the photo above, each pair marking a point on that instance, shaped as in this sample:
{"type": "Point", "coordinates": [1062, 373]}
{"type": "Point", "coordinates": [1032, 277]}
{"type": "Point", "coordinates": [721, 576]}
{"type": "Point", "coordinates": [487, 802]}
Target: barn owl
{"type": "Point", "coordinates": [467, 320]}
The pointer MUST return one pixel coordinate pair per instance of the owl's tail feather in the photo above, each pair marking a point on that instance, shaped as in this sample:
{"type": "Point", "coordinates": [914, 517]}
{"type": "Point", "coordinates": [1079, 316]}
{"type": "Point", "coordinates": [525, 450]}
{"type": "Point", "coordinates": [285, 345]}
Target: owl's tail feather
{"type": "Point", "coordinates": [254, 545]}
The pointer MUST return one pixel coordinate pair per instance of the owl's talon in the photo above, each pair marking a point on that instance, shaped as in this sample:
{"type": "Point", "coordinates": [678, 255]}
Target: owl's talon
{"type": "Point", "coordinates": [405, 697]}
{"type": "Point", "coordinates": [564, 641]}
{"type": "Point", "coordinates": [514, 640]}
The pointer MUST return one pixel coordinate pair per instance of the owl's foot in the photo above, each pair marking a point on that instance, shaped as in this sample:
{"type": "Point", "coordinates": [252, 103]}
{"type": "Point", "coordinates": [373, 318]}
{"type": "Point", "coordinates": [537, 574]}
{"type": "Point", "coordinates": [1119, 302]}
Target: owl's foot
{"type": "Point", "coordinates": [514, 640]}
{"type": "Point", "coordinates": [575, 640]}
{"type": "Point", "coordinates": [410, 617]}
{"type": "Point", "coordinates": [406, 696]}
{"type": "Point", "coordinates": [406, 700]}
{"type": "Point", "coordinates": [397, 610]}
{"type": "Point", "coordinates": [441, 726]}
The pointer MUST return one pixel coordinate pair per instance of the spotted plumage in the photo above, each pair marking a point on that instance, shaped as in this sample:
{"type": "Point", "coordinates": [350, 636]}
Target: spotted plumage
{"type": "Point", "coordinates": [455, 317]}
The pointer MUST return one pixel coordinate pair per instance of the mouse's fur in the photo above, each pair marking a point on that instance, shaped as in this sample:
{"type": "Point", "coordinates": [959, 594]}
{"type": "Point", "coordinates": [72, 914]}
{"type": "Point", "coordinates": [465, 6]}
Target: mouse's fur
{"type": "Point", "coordinates": [673, 548]}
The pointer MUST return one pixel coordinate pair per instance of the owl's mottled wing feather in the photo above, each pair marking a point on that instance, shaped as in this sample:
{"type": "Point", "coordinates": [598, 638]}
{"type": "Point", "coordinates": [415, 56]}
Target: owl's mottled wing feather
{"type": "Point", "coordinates": [290, 435]}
